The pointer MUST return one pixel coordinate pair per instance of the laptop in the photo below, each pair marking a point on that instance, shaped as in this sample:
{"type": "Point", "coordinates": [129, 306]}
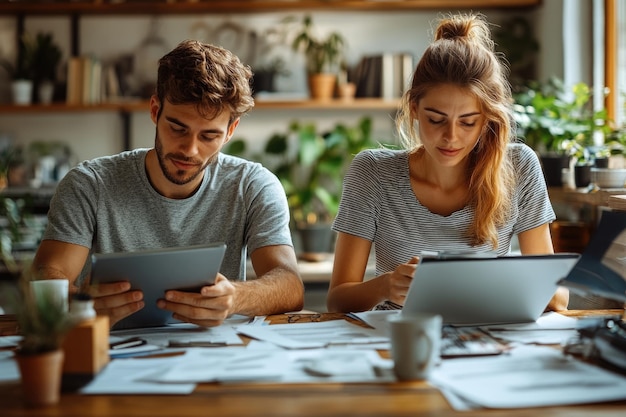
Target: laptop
{"type": "Point", "coordinates": [487, 290]}
{"type": "Point", "coordinates": [156, 271]}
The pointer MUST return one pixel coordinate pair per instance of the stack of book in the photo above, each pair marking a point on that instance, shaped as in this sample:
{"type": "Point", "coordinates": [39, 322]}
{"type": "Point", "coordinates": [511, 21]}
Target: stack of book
{"type": "Point", "coordinates": [84, 80]}
{"type": "Point", "coordinates": [384, 75]}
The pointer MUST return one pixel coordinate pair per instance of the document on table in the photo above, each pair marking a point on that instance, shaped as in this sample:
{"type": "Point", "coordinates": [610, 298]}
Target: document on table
{"type": "Point", "coordinates": [314, 335]}
{"type": "Point", "coordinates": [528, 376]}
{"type": "Point", "coordinates": [228, 364]}
{"type": "Point", "coordinates": [551, 328]}
{"type": "Point", "coordinates": [184, 333]}
{"type": "Point", "coordinates": [132, 376]}
{"type": "Point", "coordinates": [269, 363]}
{"type": "Point", "coordinates": [8, 367]}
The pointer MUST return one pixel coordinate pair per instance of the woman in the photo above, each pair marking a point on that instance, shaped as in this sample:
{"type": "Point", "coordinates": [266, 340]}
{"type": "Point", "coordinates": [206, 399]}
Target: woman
{"type": "Point", "coordinates": [461, 184]}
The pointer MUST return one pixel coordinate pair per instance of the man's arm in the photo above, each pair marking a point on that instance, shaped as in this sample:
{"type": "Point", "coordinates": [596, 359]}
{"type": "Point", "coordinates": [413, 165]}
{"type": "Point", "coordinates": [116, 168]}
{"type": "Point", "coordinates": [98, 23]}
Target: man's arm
{"type": "Point", "coordinates": [56, 259]}
{"type": "Point", "coordinates": [277, 289]}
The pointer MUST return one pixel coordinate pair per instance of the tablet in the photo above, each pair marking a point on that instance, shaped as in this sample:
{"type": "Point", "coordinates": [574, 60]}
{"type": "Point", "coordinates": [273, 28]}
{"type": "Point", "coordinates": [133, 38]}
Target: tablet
{"type": "Point", "coordinates": [156, 271]}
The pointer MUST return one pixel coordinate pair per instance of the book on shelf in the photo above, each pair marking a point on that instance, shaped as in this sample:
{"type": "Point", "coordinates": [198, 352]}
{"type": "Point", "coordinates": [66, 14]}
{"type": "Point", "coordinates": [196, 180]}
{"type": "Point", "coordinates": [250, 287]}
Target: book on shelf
{"type": "Point", "coordinates": [84, 80]}
{"type": "Point", "coordinates": [384, 75]}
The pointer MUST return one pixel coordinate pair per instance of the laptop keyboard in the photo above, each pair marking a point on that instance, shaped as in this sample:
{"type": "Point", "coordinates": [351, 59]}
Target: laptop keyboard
{"type": "Point", "coordinates": [468, 341]}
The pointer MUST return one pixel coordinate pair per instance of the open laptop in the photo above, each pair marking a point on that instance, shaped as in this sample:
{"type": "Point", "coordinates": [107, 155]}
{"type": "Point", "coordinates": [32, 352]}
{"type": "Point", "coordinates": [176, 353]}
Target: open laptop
{"type": "Point", "coordinates": [480, 291]}
{"type": "Point", "coordinates": [156, 271]}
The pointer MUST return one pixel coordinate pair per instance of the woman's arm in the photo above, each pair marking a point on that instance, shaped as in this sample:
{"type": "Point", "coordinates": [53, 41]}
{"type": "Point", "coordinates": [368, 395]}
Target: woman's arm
{"type": "Point", "coordinates": [349, 292]}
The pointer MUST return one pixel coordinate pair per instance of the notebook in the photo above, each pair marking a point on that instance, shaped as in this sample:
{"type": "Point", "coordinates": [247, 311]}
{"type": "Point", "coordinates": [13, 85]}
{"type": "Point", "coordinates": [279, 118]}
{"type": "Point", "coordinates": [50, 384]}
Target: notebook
{"type": "Point", "coordinates": [156, 271]}
{"type": "Point", "coordinates": [491, 290]}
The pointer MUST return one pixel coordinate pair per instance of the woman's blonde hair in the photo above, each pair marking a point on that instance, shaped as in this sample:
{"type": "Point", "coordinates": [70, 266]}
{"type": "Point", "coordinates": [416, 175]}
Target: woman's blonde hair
{"type": "Point", "coordinates": [463, 54]}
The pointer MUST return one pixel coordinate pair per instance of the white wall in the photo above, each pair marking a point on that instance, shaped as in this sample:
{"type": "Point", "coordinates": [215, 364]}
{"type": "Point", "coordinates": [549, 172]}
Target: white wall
{"type": "Point", "coordinates": [93, 134]}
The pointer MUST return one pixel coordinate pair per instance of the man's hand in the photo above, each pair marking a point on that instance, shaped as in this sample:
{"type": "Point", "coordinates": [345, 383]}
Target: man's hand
{"type": "Point", "coordinates": [208, 308]}
{"type": "Point", "coordinates": [399, 280]}
{"type": "Point", "coordinates": [116, 300]}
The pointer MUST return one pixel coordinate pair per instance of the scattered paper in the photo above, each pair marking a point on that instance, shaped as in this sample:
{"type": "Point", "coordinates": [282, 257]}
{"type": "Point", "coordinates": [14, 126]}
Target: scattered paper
{"type": "Point", "coordinates": [131, 376]}
{"type": "Point", "coordinates": [528, 376]}
{"type": "Point", "coordinates": [314, 335]}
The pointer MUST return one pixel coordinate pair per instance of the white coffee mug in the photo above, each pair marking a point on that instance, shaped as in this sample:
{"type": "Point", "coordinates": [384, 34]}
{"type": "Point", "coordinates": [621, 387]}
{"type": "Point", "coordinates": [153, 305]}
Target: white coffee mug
{"type": "Point", "coordinates": [415, 344]}
{"type": "Point", "coordinates": [56, 290]}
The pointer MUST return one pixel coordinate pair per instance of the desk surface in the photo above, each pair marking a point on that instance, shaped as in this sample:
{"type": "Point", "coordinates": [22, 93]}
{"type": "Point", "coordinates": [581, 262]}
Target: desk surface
{"type": "Point", "coordinates": [262, 399]}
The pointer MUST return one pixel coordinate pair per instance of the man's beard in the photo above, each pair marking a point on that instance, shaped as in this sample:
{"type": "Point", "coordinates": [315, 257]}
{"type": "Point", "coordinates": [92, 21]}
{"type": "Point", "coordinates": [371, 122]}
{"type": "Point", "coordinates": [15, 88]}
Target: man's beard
{"type": "Point", "coordinates": [178, 177]}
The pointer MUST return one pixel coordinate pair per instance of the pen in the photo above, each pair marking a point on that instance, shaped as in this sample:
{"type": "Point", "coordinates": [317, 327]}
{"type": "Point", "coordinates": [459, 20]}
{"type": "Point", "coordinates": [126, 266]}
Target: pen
{"type": "Point", "coordinates": [174, 343]}
{"type": "Point", "coordinates": [128, 343]}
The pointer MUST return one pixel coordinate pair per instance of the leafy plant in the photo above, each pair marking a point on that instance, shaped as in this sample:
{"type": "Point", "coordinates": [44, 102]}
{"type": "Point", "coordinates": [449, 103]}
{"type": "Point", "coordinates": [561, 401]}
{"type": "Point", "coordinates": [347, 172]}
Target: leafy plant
{"type": "Point", "coordinates": [23, 68]}
{"type": "Point", "coordinates": [323, 54]}
{"type": "Point", "coordinates": [46, 57]}
{"type": "Point", "coordinates": [311, 165]}
{"type": "Point", "coordinates": [550, 121]}
{"type": "Point", "coordinates": [615, 142]}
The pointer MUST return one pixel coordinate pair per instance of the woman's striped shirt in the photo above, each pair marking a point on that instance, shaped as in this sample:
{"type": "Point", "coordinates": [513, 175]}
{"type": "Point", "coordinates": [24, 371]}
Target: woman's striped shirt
{"type": "Point", "coordinates": [378, 204]}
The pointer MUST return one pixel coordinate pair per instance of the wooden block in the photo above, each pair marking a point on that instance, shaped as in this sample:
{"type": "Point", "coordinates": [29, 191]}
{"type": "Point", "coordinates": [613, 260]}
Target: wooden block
{"type": "Point", "coordinates": [86, 347]}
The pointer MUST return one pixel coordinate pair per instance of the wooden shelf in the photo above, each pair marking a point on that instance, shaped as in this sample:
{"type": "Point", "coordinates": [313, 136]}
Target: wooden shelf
{"type": "Point", "coordinates": [142, 105]}
{"type": "Point", "coordinates": [241, 6]}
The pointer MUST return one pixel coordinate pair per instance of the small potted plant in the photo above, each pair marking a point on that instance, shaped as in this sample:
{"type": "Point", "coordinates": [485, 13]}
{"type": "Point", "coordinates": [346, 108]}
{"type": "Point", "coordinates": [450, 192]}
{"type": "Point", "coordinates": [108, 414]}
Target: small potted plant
{"type": "Point", "coordinates": [323, 57]}
{"type": "Point", "coordinates": [21, 71]}
{"type": "Point", "coordinates": [46, 59]}
{"type": "Point", "coordinates": [43, 323]}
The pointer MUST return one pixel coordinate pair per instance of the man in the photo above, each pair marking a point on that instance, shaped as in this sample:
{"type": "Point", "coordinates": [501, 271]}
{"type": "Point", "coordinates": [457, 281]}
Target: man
{"type": "Point", "coordinates": [182, 192]}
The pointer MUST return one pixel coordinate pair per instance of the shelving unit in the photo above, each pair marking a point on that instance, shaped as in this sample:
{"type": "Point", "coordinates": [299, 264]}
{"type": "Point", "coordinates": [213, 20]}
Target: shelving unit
{"type": "Point", "coordinates": [243, 6]}
{"type": "Point", "coordinates": [130, 106]}
{"type": "Point", "coordinates": [20, 9]}
{"type": "Point", "coordinates": [126, 108]}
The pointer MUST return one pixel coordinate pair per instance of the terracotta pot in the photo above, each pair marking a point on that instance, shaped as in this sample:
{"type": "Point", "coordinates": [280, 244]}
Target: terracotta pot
{"type": "Point", "coordinates": [322, 86]}
{"type": "Point", "coordinates": [41, 377]}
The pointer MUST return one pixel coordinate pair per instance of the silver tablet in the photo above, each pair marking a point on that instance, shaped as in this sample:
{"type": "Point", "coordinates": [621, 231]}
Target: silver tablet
{"type": "Point", "coordinates": [156, 271]}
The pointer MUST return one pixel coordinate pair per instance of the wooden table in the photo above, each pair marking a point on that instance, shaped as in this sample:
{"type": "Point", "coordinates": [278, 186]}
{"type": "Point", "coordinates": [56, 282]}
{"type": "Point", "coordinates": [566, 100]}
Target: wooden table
{"type": "Point", "coordinates": [275, 400]}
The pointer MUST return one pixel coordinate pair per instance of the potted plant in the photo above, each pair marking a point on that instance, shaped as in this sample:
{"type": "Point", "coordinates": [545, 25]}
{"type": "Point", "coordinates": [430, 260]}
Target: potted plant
{"type": "Point", "coordinates": [21, 72]}
{"type": "Point", "coordinates": [43, 322]}
{"type": "Point", "coordinates": [581, 155]}
{"type": "Point", "coordinates": [548, 119]}
{"type": "Point", "coordinates": [46, 59]}
{"type": "Point", "coordinates": [311, 166]}
{"type": "Point", "coordinates": [323, 57]}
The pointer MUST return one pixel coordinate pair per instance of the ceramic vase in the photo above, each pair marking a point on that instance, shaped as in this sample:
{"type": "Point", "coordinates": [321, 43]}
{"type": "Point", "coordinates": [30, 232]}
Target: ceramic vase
{"type": "Point", "coordinates": [45, 92]}
{"type": "Point", "coordinates": [22, 91]}
{"type": "Point", "coordinates": [41, 377]}
{"type": "Point", "coordinates": [322, 86]}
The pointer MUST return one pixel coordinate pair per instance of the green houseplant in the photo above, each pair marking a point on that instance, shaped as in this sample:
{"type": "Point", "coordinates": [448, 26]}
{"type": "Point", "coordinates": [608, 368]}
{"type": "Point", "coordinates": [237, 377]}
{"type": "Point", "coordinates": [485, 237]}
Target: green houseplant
{"type": "Point", "coordinates": [23, 67]}
{"type": "Point", "coordinates": [21, 71]}
{"type": "Point", "coordinates": [310, 165]}
{"type": "Point", "coordinates": [43, 322]}
{"type": "Point", "coordinates": [557, 123]}
{"type": "Point", "coordinates": [46, 59]}
{"type": "Point", "coordinates": [323, 56]}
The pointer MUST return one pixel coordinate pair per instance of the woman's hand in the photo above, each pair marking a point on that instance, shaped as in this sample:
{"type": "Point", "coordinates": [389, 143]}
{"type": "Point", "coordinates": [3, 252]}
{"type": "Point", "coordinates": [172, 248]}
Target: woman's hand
{"type": "Point", "coordinates": [399, 280]}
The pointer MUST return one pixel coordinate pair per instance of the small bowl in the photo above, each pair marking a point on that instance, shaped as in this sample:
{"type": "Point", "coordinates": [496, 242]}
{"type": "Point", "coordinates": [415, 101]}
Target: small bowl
{"type": "Point", "coordinates": [608, 177]}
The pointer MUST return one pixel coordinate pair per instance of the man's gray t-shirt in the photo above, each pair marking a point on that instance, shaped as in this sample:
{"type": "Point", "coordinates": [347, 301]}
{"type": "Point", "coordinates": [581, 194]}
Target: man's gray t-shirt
{"type": "Point", "coordinates": [108, 205]}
